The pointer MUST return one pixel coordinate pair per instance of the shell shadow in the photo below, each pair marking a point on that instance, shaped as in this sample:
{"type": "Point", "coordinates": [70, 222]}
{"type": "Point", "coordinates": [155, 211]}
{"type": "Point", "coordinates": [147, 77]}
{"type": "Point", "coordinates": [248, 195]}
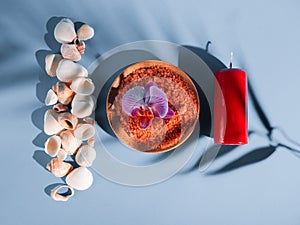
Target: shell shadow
{"type": "Point", "coordinates": [49, 36]}
{"type": "Point", "coordinates": [50, 187]}
{"type": "Point", "coordinates": [41, 158]}
{"type": "Point", "coordinates": [45, 82]}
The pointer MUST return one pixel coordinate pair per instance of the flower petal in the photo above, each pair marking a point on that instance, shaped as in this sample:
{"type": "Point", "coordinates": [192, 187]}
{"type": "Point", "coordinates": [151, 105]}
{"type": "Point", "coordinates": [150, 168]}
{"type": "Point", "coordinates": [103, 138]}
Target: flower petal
{"type": "Point", "coordinates": [132, 99]}
{"type": "Point", "coordinates": [147, 91]}
{"type": "Point", "coordinates": [135, 111]}
{"type": "Point", "coordinates": [169, 114]}
{"type": "Point", "coordinates": [145, 122]}
{"type": "Point", "coordinates": [157, 101]}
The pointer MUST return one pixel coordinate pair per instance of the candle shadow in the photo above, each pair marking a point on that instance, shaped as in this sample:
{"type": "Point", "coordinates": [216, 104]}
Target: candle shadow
{"type": "Point", "coordinates": [255, 156]}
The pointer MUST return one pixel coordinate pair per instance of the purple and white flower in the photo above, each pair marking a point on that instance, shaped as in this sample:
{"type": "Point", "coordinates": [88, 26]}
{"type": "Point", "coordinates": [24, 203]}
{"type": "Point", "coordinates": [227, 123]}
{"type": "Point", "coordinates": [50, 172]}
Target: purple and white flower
{"type": "Point", "coordinates": [146, 103]}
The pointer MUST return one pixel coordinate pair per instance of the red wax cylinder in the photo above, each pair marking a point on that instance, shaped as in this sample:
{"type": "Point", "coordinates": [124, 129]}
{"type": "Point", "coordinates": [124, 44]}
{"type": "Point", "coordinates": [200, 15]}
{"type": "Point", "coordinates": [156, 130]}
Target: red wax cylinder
{"type": "Point", "coordinates": [230, 107]}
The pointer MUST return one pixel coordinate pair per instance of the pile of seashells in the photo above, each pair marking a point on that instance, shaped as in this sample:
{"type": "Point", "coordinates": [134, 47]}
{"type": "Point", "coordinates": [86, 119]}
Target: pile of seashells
{"type": "Point", "coordinates": [69, 123]}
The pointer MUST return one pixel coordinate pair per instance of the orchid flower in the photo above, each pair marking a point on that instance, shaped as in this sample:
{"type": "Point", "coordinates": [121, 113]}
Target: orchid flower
{"type": "Point", "coordinates": [146, 103]}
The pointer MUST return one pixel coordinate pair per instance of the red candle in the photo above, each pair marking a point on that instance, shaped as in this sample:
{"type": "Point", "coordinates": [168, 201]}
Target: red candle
{"type": "Point", "coordinates": [230, 107]}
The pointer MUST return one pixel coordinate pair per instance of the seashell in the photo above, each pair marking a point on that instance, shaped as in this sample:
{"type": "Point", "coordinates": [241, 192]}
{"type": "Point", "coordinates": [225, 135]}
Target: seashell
{"type": "Point", "coordinates": [62, 154]}
{"type": "Point", "coordinates": [84, 132]}
{"type": "Point", "coordinates": [85, 32]}
{"type": "Point", "coordinates": [80, 178]}
{"type": "Point", "coordinates": [64, 31]}
{"type": "Point", "coordinates": [51, 98]}
{"type": "Point", "coordinates": [51, 124]}
{"type": "Point", "coordinates": [69, 51]}
{"type": "Point", "coordinates": [59, 107]}
{"type": "Point", "coordinates": [89, 120]}
{"type": "Point", "coordinates": [93, 102]}
{"type": "Point", "coordinates": [91, 142]}
{"type": "Point", "coordinates": [68, 70]}
{"type": "Point", "coordinates": [52, 145]}
{"type": "Point", "coordinates": [64, 92]}
{"type": "Point", "coordinates": [83, 86]}
{"type": "Point", "coordinates": [82, 105]}
{"type": "Point", "coordinates": [61, 197]}
{"type": "Point", "coordinates": [69, 143]}
{"type": "Point", "coordinates": [67, 120]}
{"type": "Point", "coordinates": [51, 63]}
{"type": "Point", "coordinates": [80, 47]}
{"type": "Point", "coordinates": [59, 168]}
{"type": "Point", "coordinates": [85, 156]}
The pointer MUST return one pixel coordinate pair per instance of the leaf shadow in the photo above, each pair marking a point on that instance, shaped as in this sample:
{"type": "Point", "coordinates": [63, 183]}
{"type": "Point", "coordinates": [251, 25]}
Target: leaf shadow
{"type": "Point", "coordinates": [258, 108]}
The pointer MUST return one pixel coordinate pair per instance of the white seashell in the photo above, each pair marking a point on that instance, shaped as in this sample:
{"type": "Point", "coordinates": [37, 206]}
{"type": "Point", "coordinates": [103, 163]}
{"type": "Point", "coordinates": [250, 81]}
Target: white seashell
{"type": "Point", "coordinates": [64, 31]}
{"type": "Point", "coordinates": [91, 142]}
{"type": "Point", "coordinates": [62, 154]}
{"type": "Point", "coordinates": [52, 145]}
{"type": "Point", "coordinates": [51, 98]}
{"type": "Point", "coordinates": [85, 32]}
{"type": "Point", "coordinates": [51, 63]}
{"type": "Point", "coordinates": [83, 86]}
{"type": "Point", "coordinates": [69, 143]}
{"type": "Point", "coordinates": [85, 156]}
{"type": "Point", "coordinates": [67, 120]}
{"type": "Point", "coordinates": [51, 124]}
{"type": "Point", "coordinates": [68, 70]}
{"type": "Point", "coordinates": [59, 107]}
{"type": "Point", "coordinates": [69, 51]}
{"type": "Point", "coordinates": [93, 102]}
{"type": "Point", "coordinates": [59, 197]}
{"type": "Point", "coordinates": [89, 120]}
{"type": "Point", "coordinates": [84, 132]}
{"type": "Point", "coordinates": [82, 105]}
{"type": "Point", "coordinates": [59, 168]}
{"type": "Point", "coordinates": [80, 178]}
{"type": "Point", "coordinates": [64, 92]}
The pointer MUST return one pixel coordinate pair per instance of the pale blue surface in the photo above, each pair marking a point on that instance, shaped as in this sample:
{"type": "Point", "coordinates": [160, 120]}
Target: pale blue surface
{"type": "Point", "coordinates": [264, 36]}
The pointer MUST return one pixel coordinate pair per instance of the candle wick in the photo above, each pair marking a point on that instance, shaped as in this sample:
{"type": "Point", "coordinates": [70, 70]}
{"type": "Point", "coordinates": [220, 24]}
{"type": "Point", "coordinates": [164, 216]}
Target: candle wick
{"type": "Point", "coordinates": [207, 44]}
{"type": "Point", "coordinates": [231, 56]}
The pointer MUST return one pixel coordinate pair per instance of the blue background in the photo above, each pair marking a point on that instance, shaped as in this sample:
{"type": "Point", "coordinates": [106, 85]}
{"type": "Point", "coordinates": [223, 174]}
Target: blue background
{"type": "Point", "coordinates": [264, 36]}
